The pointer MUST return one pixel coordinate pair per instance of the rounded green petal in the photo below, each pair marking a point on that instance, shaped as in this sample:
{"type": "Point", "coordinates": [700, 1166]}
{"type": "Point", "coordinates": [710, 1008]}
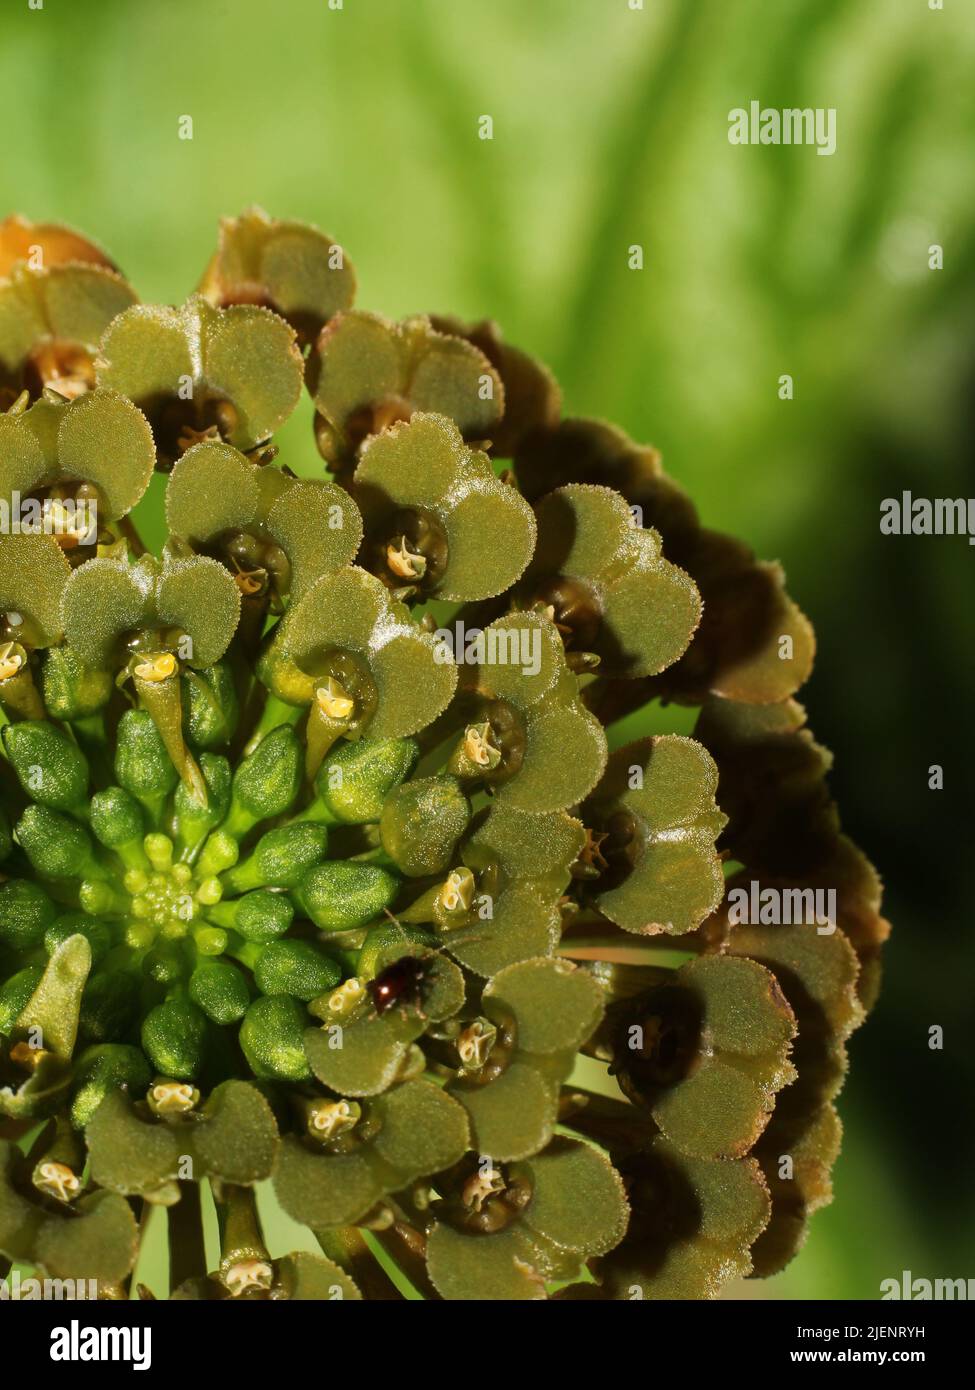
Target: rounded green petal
{"type": "Point", "coordinates": [625, 603]}
{"type": "Point", "coordinates": [525, 845]}
{"type": "Point", "coordinates": [578, 1201]}
{"type": "Point", "coordinates": [250, 357]}
{"type": "Point", "coordinates": [304, 1277]}
{"type": "Point", "coordinates": [523, 923]}
{"type": "Point", "coordinates": [452, 377]}
{"type": "Point", "coordinates": [104, 439]}
{"type": "Point", "coordinates": [318, 527]}
{"type": "Point", "coordinates": [363, 1057]}
{"type": "Point", "coordinates": [565, 754]}
{"type": "Point", "coordinates": [236, 1138]}
{"type": "Point", "coordinates": [478, 1267]}
{"type": "Point", "coordinates": [512, 1116]}
{"type": "Point", "coordinates": [358, 361]}
{"type": "Point", "coordinates": [33, 574]}
{"type": "Point", "coordinates": [414, 687]}
{"type": "Point", "coordinates": [130, 1155]}
{"type": "Point", "coordinates": [340, 611]}
{"type": "Point", "coordinates": [102, 601]}
{"type": "Point", "coordinates": [554, 1005]}
{"type": "Point", "coordinates": [81, 300]}
{"type": "Point", "coordinates": [423, 1130]}
{"type": "Point", "coordinates": [325, 1190]}
{"type": "Point", "coordinates": [145, 354]}
{"type": "Point", "coordinates": [200, 597]}
{"type": "Point", "coordinates": [22, 461]}
{"type": "Point", "coordinates": [650, 614]}
{"type": "Point", "coordinates": [99, 1243]}
{"type": "Point", "coordinates": [213, 488]}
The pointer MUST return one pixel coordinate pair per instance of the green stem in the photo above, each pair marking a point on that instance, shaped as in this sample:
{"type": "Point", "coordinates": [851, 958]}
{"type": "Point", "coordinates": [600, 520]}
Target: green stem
{"type": "Point", "coordinates": [350, 1252]}
{"type": "Point", "coordinates": [187, 1253]}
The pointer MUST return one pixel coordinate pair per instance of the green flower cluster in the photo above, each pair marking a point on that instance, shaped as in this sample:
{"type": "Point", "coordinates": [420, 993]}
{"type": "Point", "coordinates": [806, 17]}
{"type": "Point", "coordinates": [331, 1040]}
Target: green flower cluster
{"type": "Point", "coordinates": [319, 886]}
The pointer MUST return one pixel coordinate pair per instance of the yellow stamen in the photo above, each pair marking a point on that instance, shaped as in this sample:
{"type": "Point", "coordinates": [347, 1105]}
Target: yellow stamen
{"type": "Point", "coordinates": [480, 1187]}
{"type": "Point", "coordinates": [479, 748]}
{"type": "Point", "coordinates": [405, 563]}
{"type": "Point", "coordinates": [57, 1180]}
{"type": "Point", "coordinates": [173, 1097]}
{"type": "Point", "coordinates": [158, 667]}
{"type": "Point", "coordinates": [347, 997]}
{"type": "Point", "coordinates": [12, 659]}
{"type": "Point", "coordinates": [328, 1120]}
{"type": "Point", "coordinates": [248, 1274]}
{"type": "Point", "coordinates": [334, 701]}
{"type": "Point", "coordinates": [457, 893]}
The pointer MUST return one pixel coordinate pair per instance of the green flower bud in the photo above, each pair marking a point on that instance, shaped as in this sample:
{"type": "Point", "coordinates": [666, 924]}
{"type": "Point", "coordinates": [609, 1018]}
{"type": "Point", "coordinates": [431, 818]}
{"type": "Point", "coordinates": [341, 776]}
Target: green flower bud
{"type": "Point", "coordinates": [102, 1069]}
{"type": "Point", "coordinates": [272, 1039]}
{"type": "Point", "coordinates": [193, 821]}
{"type": "Point", "coordinates": [220, 852]}
{"type": "Point", "coordinates": [71, 690]}
{"type": "Point", "coordinates": [339, 896]}
{"type": "Point", "coordinates": [142, 765]}
{"type": "Point", "coordinates": [355, 779]}
{"type": "Point", "coordinates": [210, 707]}
{"type": "Point", "coordinates": [56, 845]}
{"type": "Point", "coordinates": [15, 994]}
{"type": "Point", "coordinates": [109, 1006]}
{"type": "Point", "coordinates": [165, 963]}
{"type": "Point", "coordinates": [220, 990]}
{"type": "Point", "coordinates": [174, 1036]}
{"type": "Point", "coordinates": [266, 782]}
{"type": "Point", "coordinates": [26, 912]}
{"type": "Point", "coordinates": [116, 818]}
{"type": "Point", "coordinates": [51, 767]}
{"type": "Point", "coordinates": [96, 933]}
{"type": "Point", "coordinates": [259, 916]}
{"type": "Point", "coordinates": [297, 968]}
{"type": "Point", "coordinates": [422, 822]}
{"type": "Point", "coordinates": [280, 858]}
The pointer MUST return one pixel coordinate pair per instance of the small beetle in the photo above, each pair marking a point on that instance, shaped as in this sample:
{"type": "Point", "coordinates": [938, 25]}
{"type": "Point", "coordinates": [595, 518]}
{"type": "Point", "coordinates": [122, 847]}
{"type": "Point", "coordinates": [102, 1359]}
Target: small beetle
{"type": "Point", "coordinates": [400, 983]}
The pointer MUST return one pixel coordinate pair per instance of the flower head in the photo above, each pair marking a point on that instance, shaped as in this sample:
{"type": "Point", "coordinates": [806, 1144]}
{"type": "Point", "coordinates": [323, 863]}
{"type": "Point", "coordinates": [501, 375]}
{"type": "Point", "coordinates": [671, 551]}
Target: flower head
{"type": "Point", "coordinates": [318, 870]}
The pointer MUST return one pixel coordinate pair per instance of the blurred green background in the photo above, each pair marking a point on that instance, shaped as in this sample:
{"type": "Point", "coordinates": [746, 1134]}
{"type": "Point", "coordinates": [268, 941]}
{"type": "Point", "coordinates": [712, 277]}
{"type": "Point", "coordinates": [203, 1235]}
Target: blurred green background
{"type": "Point", "coordinates": [610, 130]}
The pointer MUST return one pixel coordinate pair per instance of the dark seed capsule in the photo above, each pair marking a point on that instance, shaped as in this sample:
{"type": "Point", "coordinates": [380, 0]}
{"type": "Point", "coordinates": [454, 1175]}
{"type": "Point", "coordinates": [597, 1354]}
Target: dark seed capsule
{"type": "Point", "coordinates": [399, 983]}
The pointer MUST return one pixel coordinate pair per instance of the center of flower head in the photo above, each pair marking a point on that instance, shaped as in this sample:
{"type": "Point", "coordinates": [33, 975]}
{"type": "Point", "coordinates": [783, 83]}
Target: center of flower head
{"type": "Point", "coordinates": [166, 899]}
